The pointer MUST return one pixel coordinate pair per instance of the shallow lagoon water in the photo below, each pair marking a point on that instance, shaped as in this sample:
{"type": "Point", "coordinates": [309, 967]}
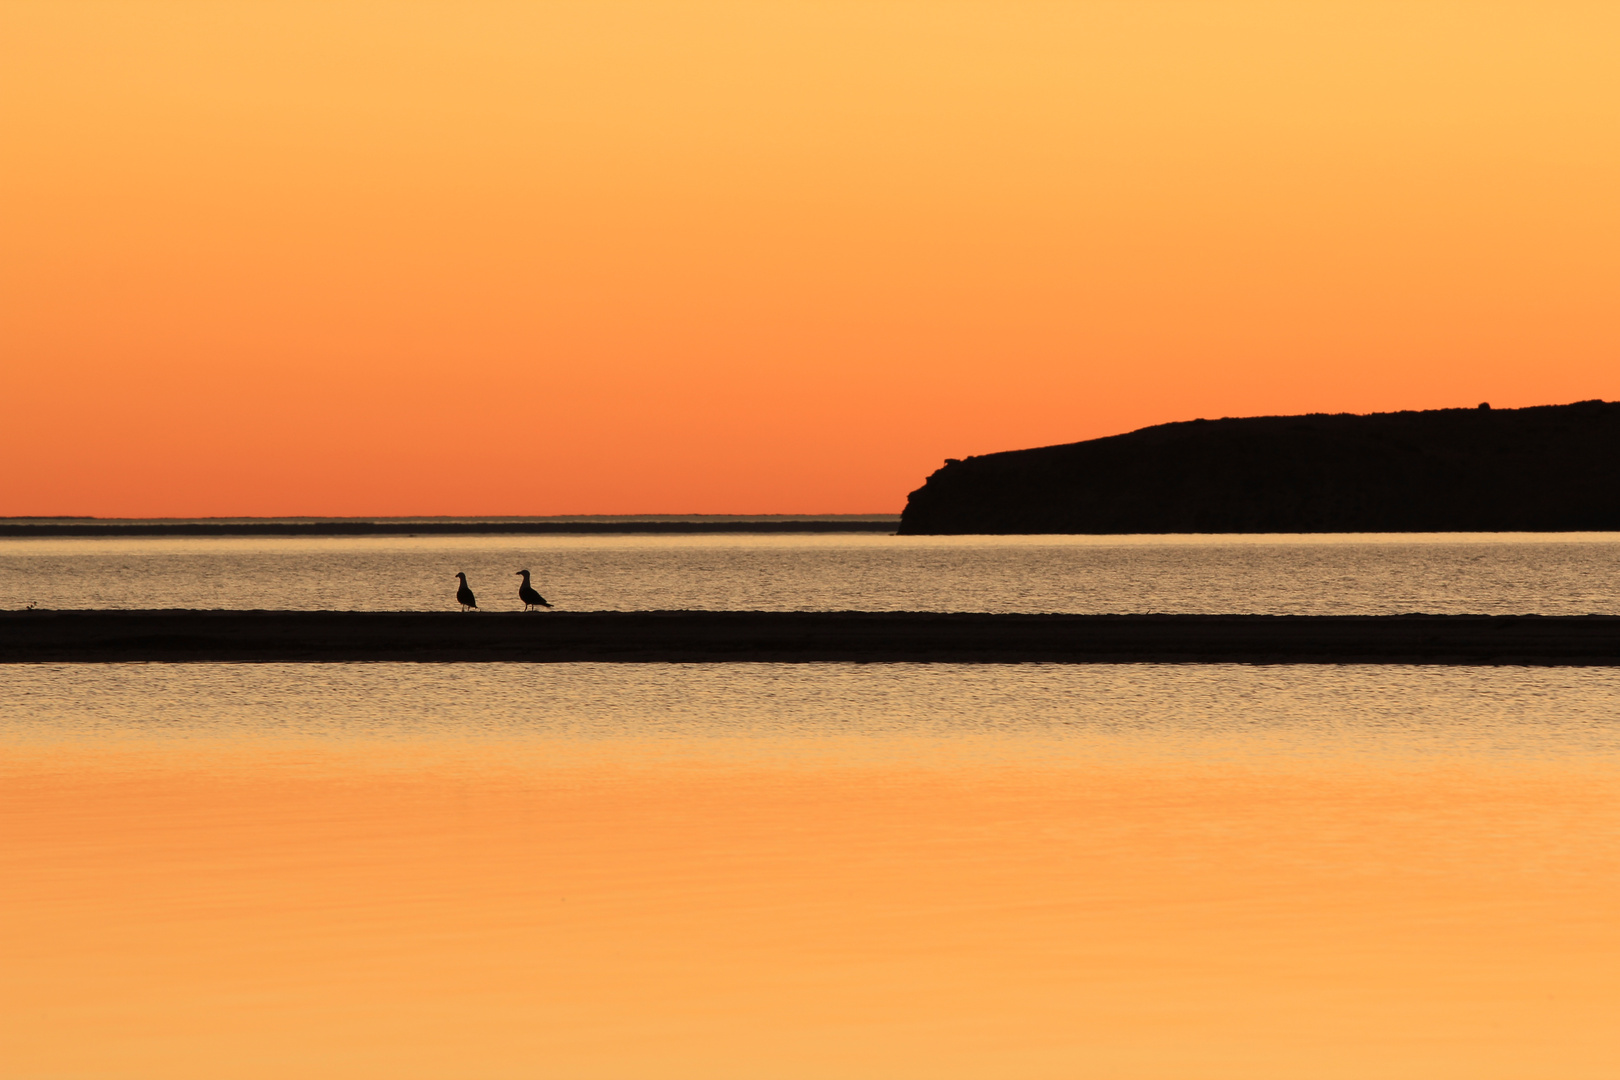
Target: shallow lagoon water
{"type": "Point", "coordinates": [1551, 574]}
{"type": "Point", "coordinates": [808, 870]}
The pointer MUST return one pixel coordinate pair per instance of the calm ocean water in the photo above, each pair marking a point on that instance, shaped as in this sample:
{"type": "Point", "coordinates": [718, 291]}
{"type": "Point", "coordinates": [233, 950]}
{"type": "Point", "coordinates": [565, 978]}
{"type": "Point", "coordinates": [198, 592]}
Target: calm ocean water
{"type": "Point", "coordinates": [1443, 573]}
{"type": "Point", "coordinates": [492, 871]}
{"type": "Point", "coordinates": [602, 871]}
{"type": "Point", "coordinates": [1035, 712]}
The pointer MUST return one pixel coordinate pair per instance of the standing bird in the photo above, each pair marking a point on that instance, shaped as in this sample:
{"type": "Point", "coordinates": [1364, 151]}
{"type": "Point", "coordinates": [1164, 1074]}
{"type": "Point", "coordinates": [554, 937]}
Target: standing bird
{"type": "Point", "coordinates": [526, 593]}
{"type": "Point", "coordinates": [465, 595]}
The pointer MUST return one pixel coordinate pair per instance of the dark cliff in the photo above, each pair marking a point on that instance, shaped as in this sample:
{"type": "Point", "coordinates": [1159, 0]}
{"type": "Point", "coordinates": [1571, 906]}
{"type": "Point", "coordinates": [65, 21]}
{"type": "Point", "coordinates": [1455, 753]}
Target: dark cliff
{"type": "Point", "coordinates": [1548, 468]}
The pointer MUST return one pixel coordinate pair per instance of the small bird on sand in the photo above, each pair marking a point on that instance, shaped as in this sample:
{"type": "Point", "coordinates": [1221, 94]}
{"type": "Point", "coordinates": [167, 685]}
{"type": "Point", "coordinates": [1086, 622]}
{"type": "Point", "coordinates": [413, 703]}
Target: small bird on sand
{"type": "Point", "coordinates": [526, 593]}
{"type": "Point", "coordinates": [465, 595]}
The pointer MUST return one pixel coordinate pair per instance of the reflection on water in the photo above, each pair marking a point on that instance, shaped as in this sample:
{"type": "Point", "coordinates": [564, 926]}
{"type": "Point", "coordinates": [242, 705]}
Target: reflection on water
{"type": "Point", "coordinates": [808, 871]}
{"type": "Point", "coordinates": [1442, 573]}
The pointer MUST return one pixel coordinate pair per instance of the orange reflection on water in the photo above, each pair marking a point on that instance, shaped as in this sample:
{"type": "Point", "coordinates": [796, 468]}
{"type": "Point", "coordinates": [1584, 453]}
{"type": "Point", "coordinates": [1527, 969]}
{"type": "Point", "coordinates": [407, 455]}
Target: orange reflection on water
{"type": "Point", "coordinates": [482, 914]}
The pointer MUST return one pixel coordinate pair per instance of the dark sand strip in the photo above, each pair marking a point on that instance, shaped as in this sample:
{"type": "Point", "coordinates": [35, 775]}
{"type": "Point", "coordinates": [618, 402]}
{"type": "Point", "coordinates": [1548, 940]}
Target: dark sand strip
{"type": "Point", "coordinates": [436, 528]}
{"type": "Point", "coordinates": [721, 636]}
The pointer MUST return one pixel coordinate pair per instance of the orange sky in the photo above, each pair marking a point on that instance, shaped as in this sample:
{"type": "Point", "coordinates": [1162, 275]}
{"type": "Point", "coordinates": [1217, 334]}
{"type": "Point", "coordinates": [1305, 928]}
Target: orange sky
{"type": "Point", "coordinates": [473, 258]}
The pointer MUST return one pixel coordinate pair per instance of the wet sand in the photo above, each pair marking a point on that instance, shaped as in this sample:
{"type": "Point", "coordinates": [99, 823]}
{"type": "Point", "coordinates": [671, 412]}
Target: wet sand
{"type": "Point", "coordinates": [795, 637]}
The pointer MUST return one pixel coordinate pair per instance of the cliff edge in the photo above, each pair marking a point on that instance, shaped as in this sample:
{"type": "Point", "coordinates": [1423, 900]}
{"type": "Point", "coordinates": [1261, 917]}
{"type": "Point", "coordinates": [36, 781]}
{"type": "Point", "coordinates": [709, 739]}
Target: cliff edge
{"type": "Point", "coordinates": [1549, 468]}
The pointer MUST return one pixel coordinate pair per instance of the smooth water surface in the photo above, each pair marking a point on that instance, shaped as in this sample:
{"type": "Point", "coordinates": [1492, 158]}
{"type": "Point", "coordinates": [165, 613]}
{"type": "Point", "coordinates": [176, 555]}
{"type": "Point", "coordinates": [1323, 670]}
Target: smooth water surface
{"type": "Point", "coordinates": [1553, 574]}
{"type": "Point", "coordinates": [382, 870]}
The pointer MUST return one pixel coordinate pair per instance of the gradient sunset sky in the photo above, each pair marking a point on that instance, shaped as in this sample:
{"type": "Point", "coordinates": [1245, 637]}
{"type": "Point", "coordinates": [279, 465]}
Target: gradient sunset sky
{"type": "Point", "coordinates": [475, 258]}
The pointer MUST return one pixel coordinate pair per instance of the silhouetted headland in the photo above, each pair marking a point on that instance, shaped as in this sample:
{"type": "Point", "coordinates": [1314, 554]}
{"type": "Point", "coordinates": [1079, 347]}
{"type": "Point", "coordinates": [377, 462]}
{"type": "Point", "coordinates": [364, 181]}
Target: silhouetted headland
{"type": "Point", "coordinates": [805, 636]}
{"type": "Point", "coordinates": [1552, 468]}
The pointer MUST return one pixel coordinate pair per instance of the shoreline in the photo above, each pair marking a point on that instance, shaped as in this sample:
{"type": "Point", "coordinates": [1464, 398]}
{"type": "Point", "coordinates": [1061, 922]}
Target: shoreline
{"type": "Point", "coordinates": [199, 636]}
{"type": "Point", "coordinates": [12, 529]}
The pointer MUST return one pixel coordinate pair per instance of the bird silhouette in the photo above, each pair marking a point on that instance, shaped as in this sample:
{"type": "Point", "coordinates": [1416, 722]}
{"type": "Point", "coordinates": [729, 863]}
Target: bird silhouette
{"type": "Point", "coordinates": [465, 595]}
{"type": "Point", "coordinates": [526, 593]}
